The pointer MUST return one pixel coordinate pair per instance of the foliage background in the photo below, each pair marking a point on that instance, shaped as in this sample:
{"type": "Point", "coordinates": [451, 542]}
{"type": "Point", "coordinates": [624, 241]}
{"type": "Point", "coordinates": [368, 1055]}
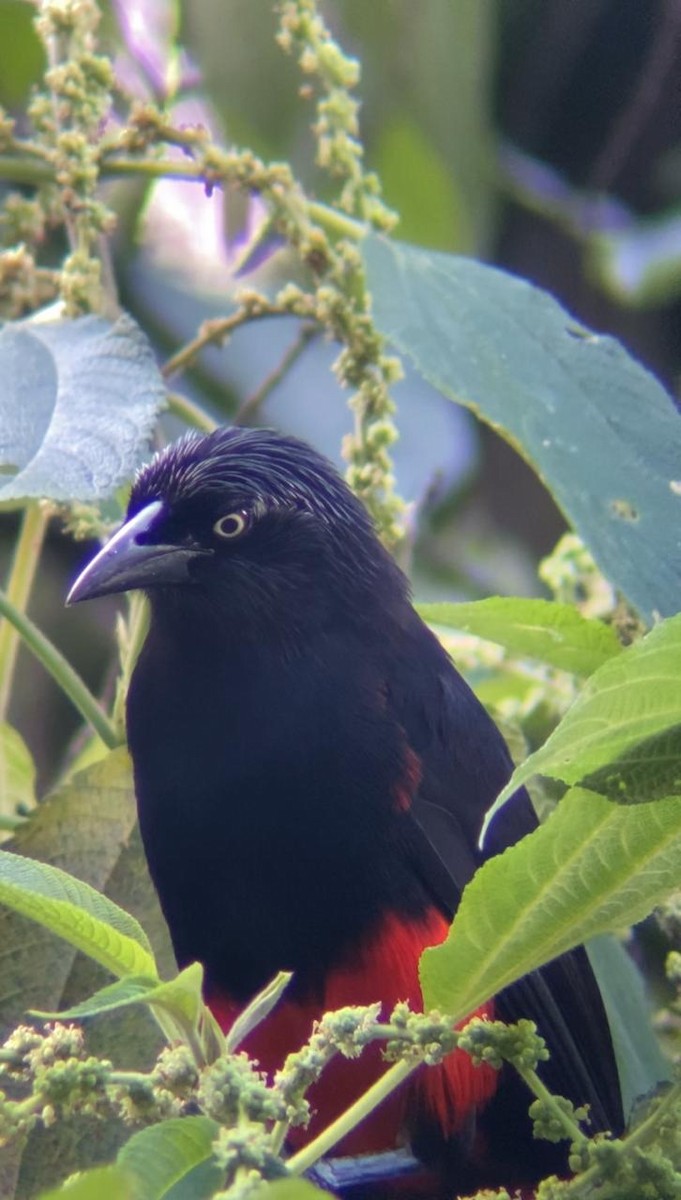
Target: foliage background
{"type": "Point", "coordinates": [452, 91]}
{"type": "Point", "coordinates": [529, 134]}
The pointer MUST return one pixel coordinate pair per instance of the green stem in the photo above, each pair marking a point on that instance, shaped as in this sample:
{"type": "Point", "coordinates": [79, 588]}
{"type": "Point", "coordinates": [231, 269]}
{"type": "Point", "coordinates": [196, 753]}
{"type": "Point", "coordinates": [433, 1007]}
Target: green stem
{"type": "Point", "coordinates": [336, 222]}
{"type": "Point", "coordinates": [572, 1130]}
{"type": "Point", "coordinates": [585, 1185]}
{"type": "Point", "coordinates": [18, 169]}
{"type": "Point", "coordinates": [215, 329]}
{"type": "Point", "coordinates": [22, 574]}
{"type": "Point", "coordinates": [62, 672]}
{"type": "Point", "coordinates": [191, 413]}
{"type": "Point", "coordinates": [347, 1121]}
{"type": "Point", "coordinates": [279, 1133]}
{"type": "Point", "coordinates": [131, 637]}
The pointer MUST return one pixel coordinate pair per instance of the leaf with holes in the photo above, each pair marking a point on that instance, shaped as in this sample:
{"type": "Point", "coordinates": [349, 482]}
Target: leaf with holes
{"type": "Point", "coordinates": [598, 428]}
{"type": "Point", "coordinates": [622, 736]}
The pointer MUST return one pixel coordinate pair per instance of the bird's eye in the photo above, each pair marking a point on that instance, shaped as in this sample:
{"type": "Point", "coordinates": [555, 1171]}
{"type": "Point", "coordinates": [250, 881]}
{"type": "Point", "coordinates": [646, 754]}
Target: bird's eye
{"type": "Point", "coordinates": [232, 525]}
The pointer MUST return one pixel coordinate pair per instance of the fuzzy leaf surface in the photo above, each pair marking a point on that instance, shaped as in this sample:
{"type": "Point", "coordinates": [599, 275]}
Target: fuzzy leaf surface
{"type": "Point", "coordinates": [593, 867]}
{"type": "Point", "coordinates": [555, 633]}
{"type": "Point", "coordinates": [77, 405]}
{"type": "Point", "coordinates": [622, 735]}
{"type": "Point", "coordinates": [75, 911]}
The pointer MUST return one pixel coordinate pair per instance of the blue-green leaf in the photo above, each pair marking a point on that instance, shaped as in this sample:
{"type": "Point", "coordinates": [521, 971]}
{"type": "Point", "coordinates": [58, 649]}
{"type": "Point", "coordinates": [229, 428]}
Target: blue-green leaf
{"type": "Point", "coordinates": [597, 427]}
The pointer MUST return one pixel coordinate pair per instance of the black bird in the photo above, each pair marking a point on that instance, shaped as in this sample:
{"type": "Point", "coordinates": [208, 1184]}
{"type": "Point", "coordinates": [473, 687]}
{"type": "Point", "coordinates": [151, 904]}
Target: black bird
{"type": "Point", "coordinates": [311, 775]}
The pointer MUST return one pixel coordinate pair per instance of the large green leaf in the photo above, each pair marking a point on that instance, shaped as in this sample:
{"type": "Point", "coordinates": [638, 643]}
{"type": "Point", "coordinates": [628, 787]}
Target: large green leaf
{"type": "Point", "coordinates": [622, 736]}
{"type": "Point", "coordinates": [174, 1156]}
{"type": "Point", "coordinates": [555, 633]}
{"type": "Point", "coordinates": [75, 911]}
{"type": "Point", "coordinates": [598, 428]}
{"type": "Point", "coordinates": [592, 868]}
{"type": "Point", "coordinates": [77, 405]}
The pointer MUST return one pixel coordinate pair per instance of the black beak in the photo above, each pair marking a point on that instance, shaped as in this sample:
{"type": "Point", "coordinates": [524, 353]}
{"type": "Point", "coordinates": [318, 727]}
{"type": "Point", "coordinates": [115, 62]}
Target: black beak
{"type": "Point", "coordinates": [124, 564]}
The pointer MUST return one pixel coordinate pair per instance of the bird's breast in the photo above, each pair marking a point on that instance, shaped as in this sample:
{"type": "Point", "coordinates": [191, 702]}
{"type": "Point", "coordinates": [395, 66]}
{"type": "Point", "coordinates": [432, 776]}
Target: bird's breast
{"type": "Point", "coordinates": [265, 791]}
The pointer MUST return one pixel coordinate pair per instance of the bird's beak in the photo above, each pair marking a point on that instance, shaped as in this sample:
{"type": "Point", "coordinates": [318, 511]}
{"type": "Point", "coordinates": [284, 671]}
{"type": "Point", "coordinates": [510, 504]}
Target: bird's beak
{"type": "Point", "coordinates": [125, 564]}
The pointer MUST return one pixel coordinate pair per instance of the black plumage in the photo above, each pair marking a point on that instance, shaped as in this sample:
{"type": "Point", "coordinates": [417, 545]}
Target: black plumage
{"type": "Point", "coordinates": [307, 759]}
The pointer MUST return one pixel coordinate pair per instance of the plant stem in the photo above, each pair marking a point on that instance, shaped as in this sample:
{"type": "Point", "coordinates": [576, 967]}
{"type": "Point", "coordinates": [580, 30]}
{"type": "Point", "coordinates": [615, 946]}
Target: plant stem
{"type": "Point", "coordinates": [347, 1121]}
{"type": "Point", "coordinates": [337, 223]}
{"type": "Point", "coordinates": [252, 403]}
{"type": "Point", "coordinates": [62, 672]}
{"type": "Point", "coordinates": [130, 635]}
{"type": "Point", "coordinates": [191, 413]}
{"type": "Point", "coordinates": [572, 1131]}
{"type": "Point", "coordinates": [20, 169]}
{"type": "Point", "coordinates": [214, 330]}
{"type": "Point", "coordinates": [26, 555]}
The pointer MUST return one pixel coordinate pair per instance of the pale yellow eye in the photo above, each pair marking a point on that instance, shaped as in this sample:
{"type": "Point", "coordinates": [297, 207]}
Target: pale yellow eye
{"type": "Point", "coordinates": [232, 525]}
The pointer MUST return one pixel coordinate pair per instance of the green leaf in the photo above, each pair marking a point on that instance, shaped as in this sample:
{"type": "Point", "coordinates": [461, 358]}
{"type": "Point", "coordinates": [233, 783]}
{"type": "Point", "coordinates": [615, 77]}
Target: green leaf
{"type": "Point", "coordinates": [17, 776]}
{"type": "Point", "coordinates": [647, 771]}
{"type": "Point", "coordinates": [640, 1061]}
{"type": "Point", "coordinates": [102, 1183]}
{"type": "Point", "coordinates": [555, 633]}
{"type": "Point", "coordinates": [598, 428]}
{"type": "Point", "coordinates": [131, 989]}
{"type": "Point", "coordinates": [592, 868]}
{"type": "Point", "coordinates": [88, 828]}
{"type": "Point", "coordinates": [257, 1010]}
{"type": "Point", "coordinates": [623, 733]}
{"type": "Point", "coordinates": [174, 1155]}
{"type": "Point", "coordinates": [78, 402]}
{"type": "Point", "coordinates": [77, 912]}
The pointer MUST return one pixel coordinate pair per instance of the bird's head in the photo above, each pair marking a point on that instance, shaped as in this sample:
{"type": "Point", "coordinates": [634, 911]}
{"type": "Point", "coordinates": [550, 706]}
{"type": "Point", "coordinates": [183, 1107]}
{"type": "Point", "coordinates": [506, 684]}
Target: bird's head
{"type": "Point", "coordinates": [250, 522]}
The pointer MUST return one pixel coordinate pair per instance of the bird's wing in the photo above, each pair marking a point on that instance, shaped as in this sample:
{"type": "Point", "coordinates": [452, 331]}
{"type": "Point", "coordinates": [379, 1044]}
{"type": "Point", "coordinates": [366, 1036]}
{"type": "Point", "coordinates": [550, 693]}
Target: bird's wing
{"type": "Point", "coordinates": [464, 763]}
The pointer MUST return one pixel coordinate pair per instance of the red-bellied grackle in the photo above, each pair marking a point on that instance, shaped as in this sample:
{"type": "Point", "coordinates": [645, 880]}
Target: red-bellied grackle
{"type": "Point", "coordinates": [311, 775]}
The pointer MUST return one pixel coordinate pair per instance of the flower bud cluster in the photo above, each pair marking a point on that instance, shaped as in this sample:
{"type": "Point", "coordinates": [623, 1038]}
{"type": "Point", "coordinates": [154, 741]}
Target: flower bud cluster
{"type": "Point", "coordinates": [68, 115]}
{"type": "Point", "coordinates": [546, 1118]}
{"type": "Point", "coordinates": [494, 1043]}
{"type": "Point", "coordinates": [232, 1088]}
{"type": "Point", "coordinates": [426, 1037]}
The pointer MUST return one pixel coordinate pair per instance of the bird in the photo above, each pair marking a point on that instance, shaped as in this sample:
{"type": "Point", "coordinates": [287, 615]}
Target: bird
{"type": "Point", "coordinates": [311, 774]}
